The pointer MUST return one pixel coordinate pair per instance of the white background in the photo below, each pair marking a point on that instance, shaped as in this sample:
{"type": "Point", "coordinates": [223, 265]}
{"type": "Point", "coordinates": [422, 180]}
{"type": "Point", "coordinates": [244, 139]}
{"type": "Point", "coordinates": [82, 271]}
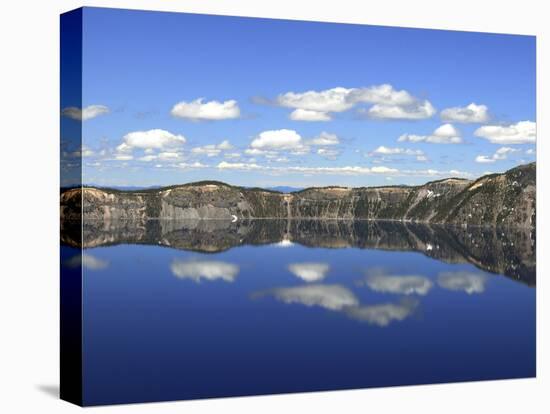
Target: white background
{"type": "Point", "coordinates": [29, 237]}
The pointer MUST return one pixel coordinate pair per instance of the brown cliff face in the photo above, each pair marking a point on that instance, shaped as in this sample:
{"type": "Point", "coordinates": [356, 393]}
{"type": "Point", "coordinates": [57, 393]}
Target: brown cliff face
{"type": "Point", "coordinates": [507, 199]}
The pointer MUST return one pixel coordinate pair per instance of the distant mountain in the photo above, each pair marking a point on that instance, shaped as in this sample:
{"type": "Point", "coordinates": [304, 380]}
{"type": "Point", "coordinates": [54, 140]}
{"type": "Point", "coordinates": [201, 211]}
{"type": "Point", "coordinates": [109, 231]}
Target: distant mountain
{"type": "Point", "coordinates": [124, 187]}
{"type": "Point", "coordinates": [507, 199]}
{"type": "Point", "coordinates": [280, 189]}
{"type": "Point", "coordinates": [285, 189]}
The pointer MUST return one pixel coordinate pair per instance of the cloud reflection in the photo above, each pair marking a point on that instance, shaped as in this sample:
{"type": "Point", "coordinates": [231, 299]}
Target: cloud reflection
{"type": "Point", "coordinates": [385, 313]}
{"type": "Point", "coordinates": [332, 297]}
{"type": "Point", "coordinates": [204, 269]}
{"type": "Point", "coordinates": [404, 285]}
{"type": "Point", "coordinates": [341, 299]}
{"type": "Point", "coordinates": [468, 282]}
{"type": "Point", "coordinates": [378, 281]}
{"type": "Point", "coordinates": [87, 261]}
{"type": "Point", "coordinates": [309, 272]}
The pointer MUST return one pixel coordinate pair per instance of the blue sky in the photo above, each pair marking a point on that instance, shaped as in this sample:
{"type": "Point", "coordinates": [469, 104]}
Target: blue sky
{"type": "Point", "coordinates": [297, 103]}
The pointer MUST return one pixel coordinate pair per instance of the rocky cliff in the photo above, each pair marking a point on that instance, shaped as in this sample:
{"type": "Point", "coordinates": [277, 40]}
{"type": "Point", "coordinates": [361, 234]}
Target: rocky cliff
{"type": "Point", "coordinates": [507, 199]}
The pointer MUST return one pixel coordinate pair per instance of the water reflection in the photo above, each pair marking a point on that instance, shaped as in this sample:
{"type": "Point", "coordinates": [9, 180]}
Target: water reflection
{"type": "Point", "coordinates": [331, 297]}
{"type": "Point", "coordinates": [349, 297]}
{"type": "Point", "coordinates": [87, 261]}
{"type": "Point", "coordinates": [462, 281]}
{"type": "Point", "coordinates": [383, 314]}
{"type": "Point", "coordinates": [309, 272]}
{"type": "Point", "coordinates": [341, 299]}
{"type": "Point", "coordinates": [206, 269]}
{"type": "Point", "coordinates": [510, 252]}
{"type": "Point", "coordinates": [399, 284]}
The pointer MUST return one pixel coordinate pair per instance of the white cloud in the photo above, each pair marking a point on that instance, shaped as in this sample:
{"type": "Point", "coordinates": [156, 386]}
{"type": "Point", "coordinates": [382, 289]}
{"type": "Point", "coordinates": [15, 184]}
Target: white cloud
{"type": "Point", "coordinates": [87, 152]}
{"type": "Point", "coordinates": [342, 99]}
{"type": "Point", "coordinates": [309, 272]}
{"type": "Point", "coordinates": [332, 297]}
{"type": "Point", "coordinates": [484, 159]}
{"type": "Point", "coordinates": [330, 100]}
{"type": "Point", "coordinates": [89, 112]}
{"type": "Point", "coordinates": [523, 132]}
{"type": "Point", "coordinates": [436, 173]}
{"type": "Point", "coordinates": [269, 142]}
{"type": "Point", "coordinates": [472, 113]}
{"type": "Point", "coordinates": [281, 159]}
{"type": "Point", "coordinates": [392, 104]}
{"type": "Point", "coordinates": [398, 284]}
{"type": "Point", "coordinates": [499, 155]}
{"type": "Point", "coordinates": [309, 115]}
{"type": "Point", "coordinates": [281, 139]}
{"type": "Point", "coordinates": [241, 166]}
{"type": "Point", "coordinates": [325, 139]}
{"type": "Point", "coordinates": [153, 139]}
{"type": "Point", "coordinates": [169, 155]}
{"type": "Point", "coordinates": [191, 166]}
{"type": "Point", "coordinates": [225, 145]}
{"type": "Point", "coordinates": [147, 158]}
{"type": "Point", "coordinates": [328, 153]}
{"type": "Point", "coordinates": [208, 150]}
{"type": "Point", "coordinates": [384, 154]}
{"type": "Point", "coordinates": [232, 155]}
{"type": "Point", "coordinates": [382, 315]}
{"type": "Point", "coordinates": [344, 170]}
{"type": "Point", "coordinates": [123, 157]}
{"type": "Point", "coordinates": [382, 150]}
{"type": "Point", "coordinates": [207, 111]}
{"type": "Point", "coordinates": [445, 134]}
{"type": "Point", "coordinates": [255, 151]}
{"type": "Point", "coordinates": [388, 103]}
{"type": "Point", "coordinates": [530, 151]}
{"type": "Point", "coordinates": [418, 110]}
{"type": "Point", "coordinates": [212, 150]}
{"type": "Point", "coordinates": [207, 269]}
{"type": "Point", "coordinates": [462, 281]}
{"type": "Point", "coordinates": [161, 156]}
{"type": "Point", "coordinates": [383, 94]}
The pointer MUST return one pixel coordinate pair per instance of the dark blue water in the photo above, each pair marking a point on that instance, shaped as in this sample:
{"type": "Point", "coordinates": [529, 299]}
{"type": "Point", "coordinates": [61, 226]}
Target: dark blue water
{"type": "Point", "coordinates": [162, 323]}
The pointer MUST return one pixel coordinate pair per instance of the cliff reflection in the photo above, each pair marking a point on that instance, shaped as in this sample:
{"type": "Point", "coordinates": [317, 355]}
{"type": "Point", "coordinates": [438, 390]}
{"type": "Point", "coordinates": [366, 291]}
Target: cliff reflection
{"type": "Point", "coordinates": [510, 251]}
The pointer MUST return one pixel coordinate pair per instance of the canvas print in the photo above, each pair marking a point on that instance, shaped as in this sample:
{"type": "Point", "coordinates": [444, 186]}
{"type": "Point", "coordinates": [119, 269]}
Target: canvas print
{"type": "Point", "coordinates": [259, 206]}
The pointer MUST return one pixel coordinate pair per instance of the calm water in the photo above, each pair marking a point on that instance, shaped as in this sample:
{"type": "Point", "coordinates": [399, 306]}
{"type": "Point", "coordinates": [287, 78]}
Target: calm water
{"type": "Point", "coordinates": [209, 309]}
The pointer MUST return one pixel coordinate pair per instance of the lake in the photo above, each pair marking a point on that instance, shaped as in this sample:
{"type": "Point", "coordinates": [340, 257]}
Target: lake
{"type": "Point", "coordinates": [196, 309]}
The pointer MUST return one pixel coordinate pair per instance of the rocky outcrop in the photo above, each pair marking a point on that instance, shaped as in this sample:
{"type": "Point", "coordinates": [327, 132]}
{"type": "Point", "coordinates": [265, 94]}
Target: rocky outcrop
{"type": "Point", "coordinates": [498, 199]}
{"type": "Point", "coordinates": [507, 199]}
